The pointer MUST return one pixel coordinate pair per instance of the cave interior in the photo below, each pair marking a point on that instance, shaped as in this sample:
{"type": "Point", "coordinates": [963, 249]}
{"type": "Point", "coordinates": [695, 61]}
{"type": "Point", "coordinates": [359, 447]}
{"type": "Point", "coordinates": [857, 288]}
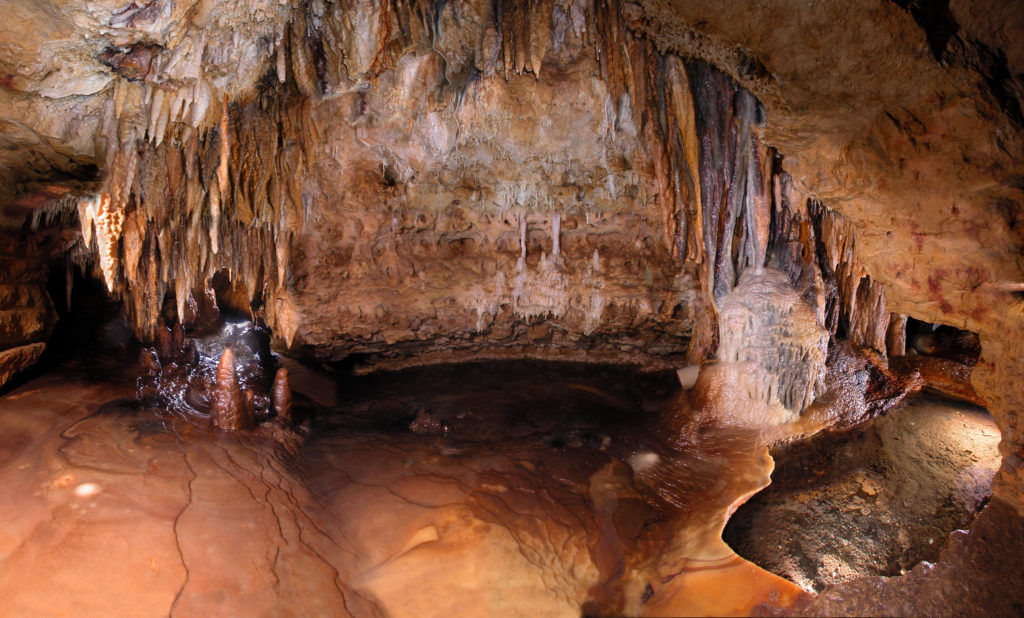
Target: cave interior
{"type": "Point", "coordinates": [540, 307]}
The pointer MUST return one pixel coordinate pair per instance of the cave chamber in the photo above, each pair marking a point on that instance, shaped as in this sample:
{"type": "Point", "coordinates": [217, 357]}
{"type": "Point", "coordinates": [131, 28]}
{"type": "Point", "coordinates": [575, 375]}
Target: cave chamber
{"type": "Point", "coordinates": [558, 307]}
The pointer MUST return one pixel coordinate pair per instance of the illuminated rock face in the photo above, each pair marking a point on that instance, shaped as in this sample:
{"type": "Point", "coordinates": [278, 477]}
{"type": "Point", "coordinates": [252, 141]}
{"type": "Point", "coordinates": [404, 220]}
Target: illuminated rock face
{"type": "Point", "coordinates": [398, 184]}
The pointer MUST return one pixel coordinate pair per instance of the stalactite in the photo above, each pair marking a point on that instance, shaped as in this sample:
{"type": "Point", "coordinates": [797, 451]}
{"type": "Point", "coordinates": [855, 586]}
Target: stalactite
{"type": "Point", "coordinates": [856, 309]}
{"type": "Point", "coordinates": [540, 32]}
{"type": "Point", "coordinates": [686, 158]}
{"type": "Point", "coordinates": [523, 31]}
{"type": "Point", "coordinates": [303, 70]}
{"type": "Point", "coordinates": [170, 208]}
{"type": "Point", "coordinates": [556, 234]}
{"type": "Point", "coordinates": [108, 222]}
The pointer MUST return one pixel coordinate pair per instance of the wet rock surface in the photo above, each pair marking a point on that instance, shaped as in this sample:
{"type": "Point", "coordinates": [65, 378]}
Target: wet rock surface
{"type": "Point", "coordinates": [367, 515]}
{"type": "Point", "coordinates": [596, 490]}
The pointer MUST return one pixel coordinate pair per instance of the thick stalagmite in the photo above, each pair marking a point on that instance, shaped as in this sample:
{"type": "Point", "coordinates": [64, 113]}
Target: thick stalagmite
{"type": "Point", "coordinates": [773, 337]}
{"type": "Point", "coordinates": [228, 407]}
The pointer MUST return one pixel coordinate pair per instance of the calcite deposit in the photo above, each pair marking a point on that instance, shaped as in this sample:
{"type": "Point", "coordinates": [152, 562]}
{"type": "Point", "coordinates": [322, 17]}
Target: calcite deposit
{"type": "Point", "coordinates": [812, 211]}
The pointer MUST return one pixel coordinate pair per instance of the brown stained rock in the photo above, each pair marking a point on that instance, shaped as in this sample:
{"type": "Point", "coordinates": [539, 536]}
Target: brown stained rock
{"type": "Point", "coordinates": [228, 409]}
{"type": "Point", "coordinates": [174, 347]}
{"type": "Point", "coordinates": [131, 63]}
{"type": "Point", "coordinates": [281, 398]}
{"type": "Point", "coordinates": [149, 360]}
{"type": "Point", "coordinates": [888, 386]}
{"type": "Point", "coordinates": [165, 345]}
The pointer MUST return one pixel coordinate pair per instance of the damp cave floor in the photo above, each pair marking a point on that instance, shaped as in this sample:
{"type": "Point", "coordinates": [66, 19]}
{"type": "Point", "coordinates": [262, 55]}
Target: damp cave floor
{"type": "Point", "coordinates": [107, 508]}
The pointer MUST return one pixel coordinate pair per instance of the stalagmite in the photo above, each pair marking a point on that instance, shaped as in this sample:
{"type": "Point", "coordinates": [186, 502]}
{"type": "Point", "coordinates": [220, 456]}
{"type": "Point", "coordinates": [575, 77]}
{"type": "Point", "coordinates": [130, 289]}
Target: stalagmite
{"type": "Point", "coordinates": [227, 406]}
{"type": "Point", "coordinates": [282, 396]}
{"type": "Point", "coordinates": [770, 330]}
{"type": "Point", "coordinates": [223, 179]}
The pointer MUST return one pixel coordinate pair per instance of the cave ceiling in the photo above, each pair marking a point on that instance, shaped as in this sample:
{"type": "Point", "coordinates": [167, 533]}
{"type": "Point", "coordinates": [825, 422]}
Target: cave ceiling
{"type": "Point", "coordinates": [887, 110]}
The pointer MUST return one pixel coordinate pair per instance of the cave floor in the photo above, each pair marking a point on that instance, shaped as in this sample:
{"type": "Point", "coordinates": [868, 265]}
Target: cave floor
{"type": "Point", "coordinates": [496, 489]}
{"type": "Point", "coordinates": [459, 492]}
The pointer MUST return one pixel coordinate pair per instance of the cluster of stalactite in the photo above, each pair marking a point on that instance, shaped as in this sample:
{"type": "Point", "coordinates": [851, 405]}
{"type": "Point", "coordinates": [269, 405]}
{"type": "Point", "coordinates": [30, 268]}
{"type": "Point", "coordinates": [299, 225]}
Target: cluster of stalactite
{"type": "Point", "coordinates": [197, 184]}
{"type": "Point", "coordinates": [173, 212]}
